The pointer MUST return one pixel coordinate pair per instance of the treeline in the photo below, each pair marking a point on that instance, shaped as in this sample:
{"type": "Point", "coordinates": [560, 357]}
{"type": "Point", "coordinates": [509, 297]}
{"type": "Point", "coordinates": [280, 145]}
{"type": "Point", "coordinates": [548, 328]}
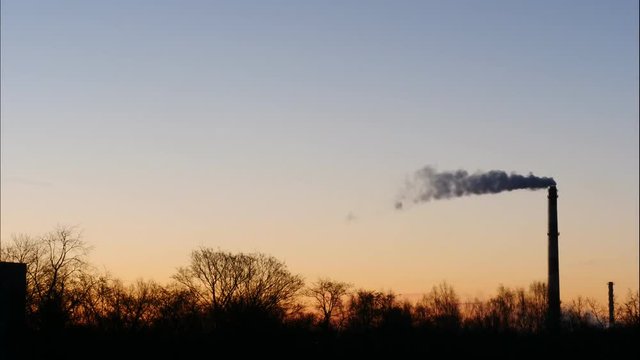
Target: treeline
{"type": "Point", "coordinates": [222, 293]}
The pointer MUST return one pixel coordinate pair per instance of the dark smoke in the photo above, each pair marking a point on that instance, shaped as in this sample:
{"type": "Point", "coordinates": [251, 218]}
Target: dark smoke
{"type": "Point", "coordinates": [429, 184]}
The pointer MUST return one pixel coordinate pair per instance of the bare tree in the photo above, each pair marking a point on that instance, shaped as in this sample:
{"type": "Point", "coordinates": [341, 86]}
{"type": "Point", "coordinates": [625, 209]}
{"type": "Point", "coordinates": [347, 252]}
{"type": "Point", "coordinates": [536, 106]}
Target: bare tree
{"type": "Point", "coordinates": [536, 306]}
{"type": "Point", "coordinates": [597, 312]}
{"type": "Point", "coordinates": [628, 312]}
{"type": "Point", "coordinates": [222, 280]}
{"type": "Point", "coordinates": [584, 313]}
{"type": "Point", "coordinates": [503, 308]}
{"type": "Point", "coordinates": [476, 314]}
{"type": "Point", "coordinates": [510, 310]}
{"type": "Point", "coordinates": [328, 297]}
{"type": "Point", "coordinates": [55, 263]}
{"type": "Point", "coordinates": [368, 309]}
{"type": "Point", "coordinates": [65, 257]}
{"type": "Point", "coordinates": [364, 309]}
{"type": "Point", "coordinates": [204, 276]}
{"type": "Point", "coordinates": [440, 308]}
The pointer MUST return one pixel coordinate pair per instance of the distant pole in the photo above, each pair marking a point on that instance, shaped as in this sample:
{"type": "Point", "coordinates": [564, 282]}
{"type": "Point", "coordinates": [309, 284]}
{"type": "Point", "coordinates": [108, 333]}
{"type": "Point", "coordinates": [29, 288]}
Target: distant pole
{"type": "Point", "coordinates": [553, 285]}
{"type": "Point", "coordinates": [612, 319]}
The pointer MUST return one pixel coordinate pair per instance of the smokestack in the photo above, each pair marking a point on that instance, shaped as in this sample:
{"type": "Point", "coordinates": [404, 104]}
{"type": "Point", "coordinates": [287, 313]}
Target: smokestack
{"type": "Point", "coordinates": [553, 292]}
{"type": "Point", "coordinates": [612, 319]}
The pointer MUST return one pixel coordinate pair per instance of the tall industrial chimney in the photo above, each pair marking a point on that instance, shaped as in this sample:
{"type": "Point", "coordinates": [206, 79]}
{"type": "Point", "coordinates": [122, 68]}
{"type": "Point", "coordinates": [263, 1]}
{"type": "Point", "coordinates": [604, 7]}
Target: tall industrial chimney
{"type": "Point", "coordinates": [612, 318]}
{"type": "Point", "coordinates": [553, 291]}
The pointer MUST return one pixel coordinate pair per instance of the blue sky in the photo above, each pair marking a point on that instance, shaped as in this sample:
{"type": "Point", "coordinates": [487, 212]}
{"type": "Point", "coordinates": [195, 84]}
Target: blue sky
{"type": "Point", "coordinates": [147, 121]}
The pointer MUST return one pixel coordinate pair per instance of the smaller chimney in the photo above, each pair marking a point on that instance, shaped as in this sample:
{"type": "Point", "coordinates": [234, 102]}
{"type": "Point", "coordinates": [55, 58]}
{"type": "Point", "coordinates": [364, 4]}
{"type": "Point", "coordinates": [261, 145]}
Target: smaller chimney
{"type": "Point", "coordinates": [612, 319]}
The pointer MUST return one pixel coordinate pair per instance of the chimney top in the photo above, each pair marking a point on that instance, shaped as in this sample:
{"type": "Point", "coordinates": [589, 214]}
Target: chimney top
{"type": "Point", "coordinates": [553, 192]}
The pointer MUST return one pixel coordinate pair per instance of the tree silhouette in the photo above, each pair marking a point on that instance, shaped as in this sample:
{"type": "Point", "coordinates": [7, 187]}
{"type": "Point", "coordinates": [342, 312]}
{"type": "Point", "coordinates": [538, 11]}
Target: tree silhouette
{"type": "Point", "coordinates": [229, 283]}
{"type": "Point", "coordinates": [56, 261]}
{"type": "Point", "coordinates": [226, 301]}
{"type": "Point", "coordinates": [328, 298]}
{"type": "Point", "coordinates": [440, 308]}
{"type": "Point", "coordinates": [536, 306]}
{"type": "Point", "coordinates": [628, 313]}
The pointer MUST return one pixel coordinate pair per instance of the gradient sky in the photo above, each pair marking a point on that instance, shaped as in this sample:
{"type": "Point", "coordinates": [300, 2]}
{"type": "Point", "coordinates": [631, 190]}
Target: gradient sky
{"type": "Point", "coordinates": [289, 127]}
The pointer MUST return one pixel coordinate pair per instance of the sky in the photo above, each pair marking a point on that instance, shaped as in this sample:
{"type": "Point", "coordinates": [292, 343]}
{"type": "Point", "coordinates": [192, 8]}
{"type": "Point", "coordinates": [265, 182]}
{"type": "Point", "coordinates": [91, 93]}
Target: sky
{"type": "Point", "coordinates": [290, 127]}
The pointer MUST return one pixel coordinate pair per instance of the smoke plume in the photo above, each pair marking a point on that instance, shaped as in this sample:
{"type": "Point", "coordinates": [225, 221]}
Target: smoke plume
{"type": "Point", "coordinates": [429, 184]}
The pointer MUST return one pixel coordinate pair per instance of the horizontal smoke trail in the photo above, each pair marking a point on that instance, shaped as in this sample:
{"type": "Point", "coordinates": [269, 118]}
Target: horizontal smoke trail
{"type": "Point", "coordinates": [429, 184]}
